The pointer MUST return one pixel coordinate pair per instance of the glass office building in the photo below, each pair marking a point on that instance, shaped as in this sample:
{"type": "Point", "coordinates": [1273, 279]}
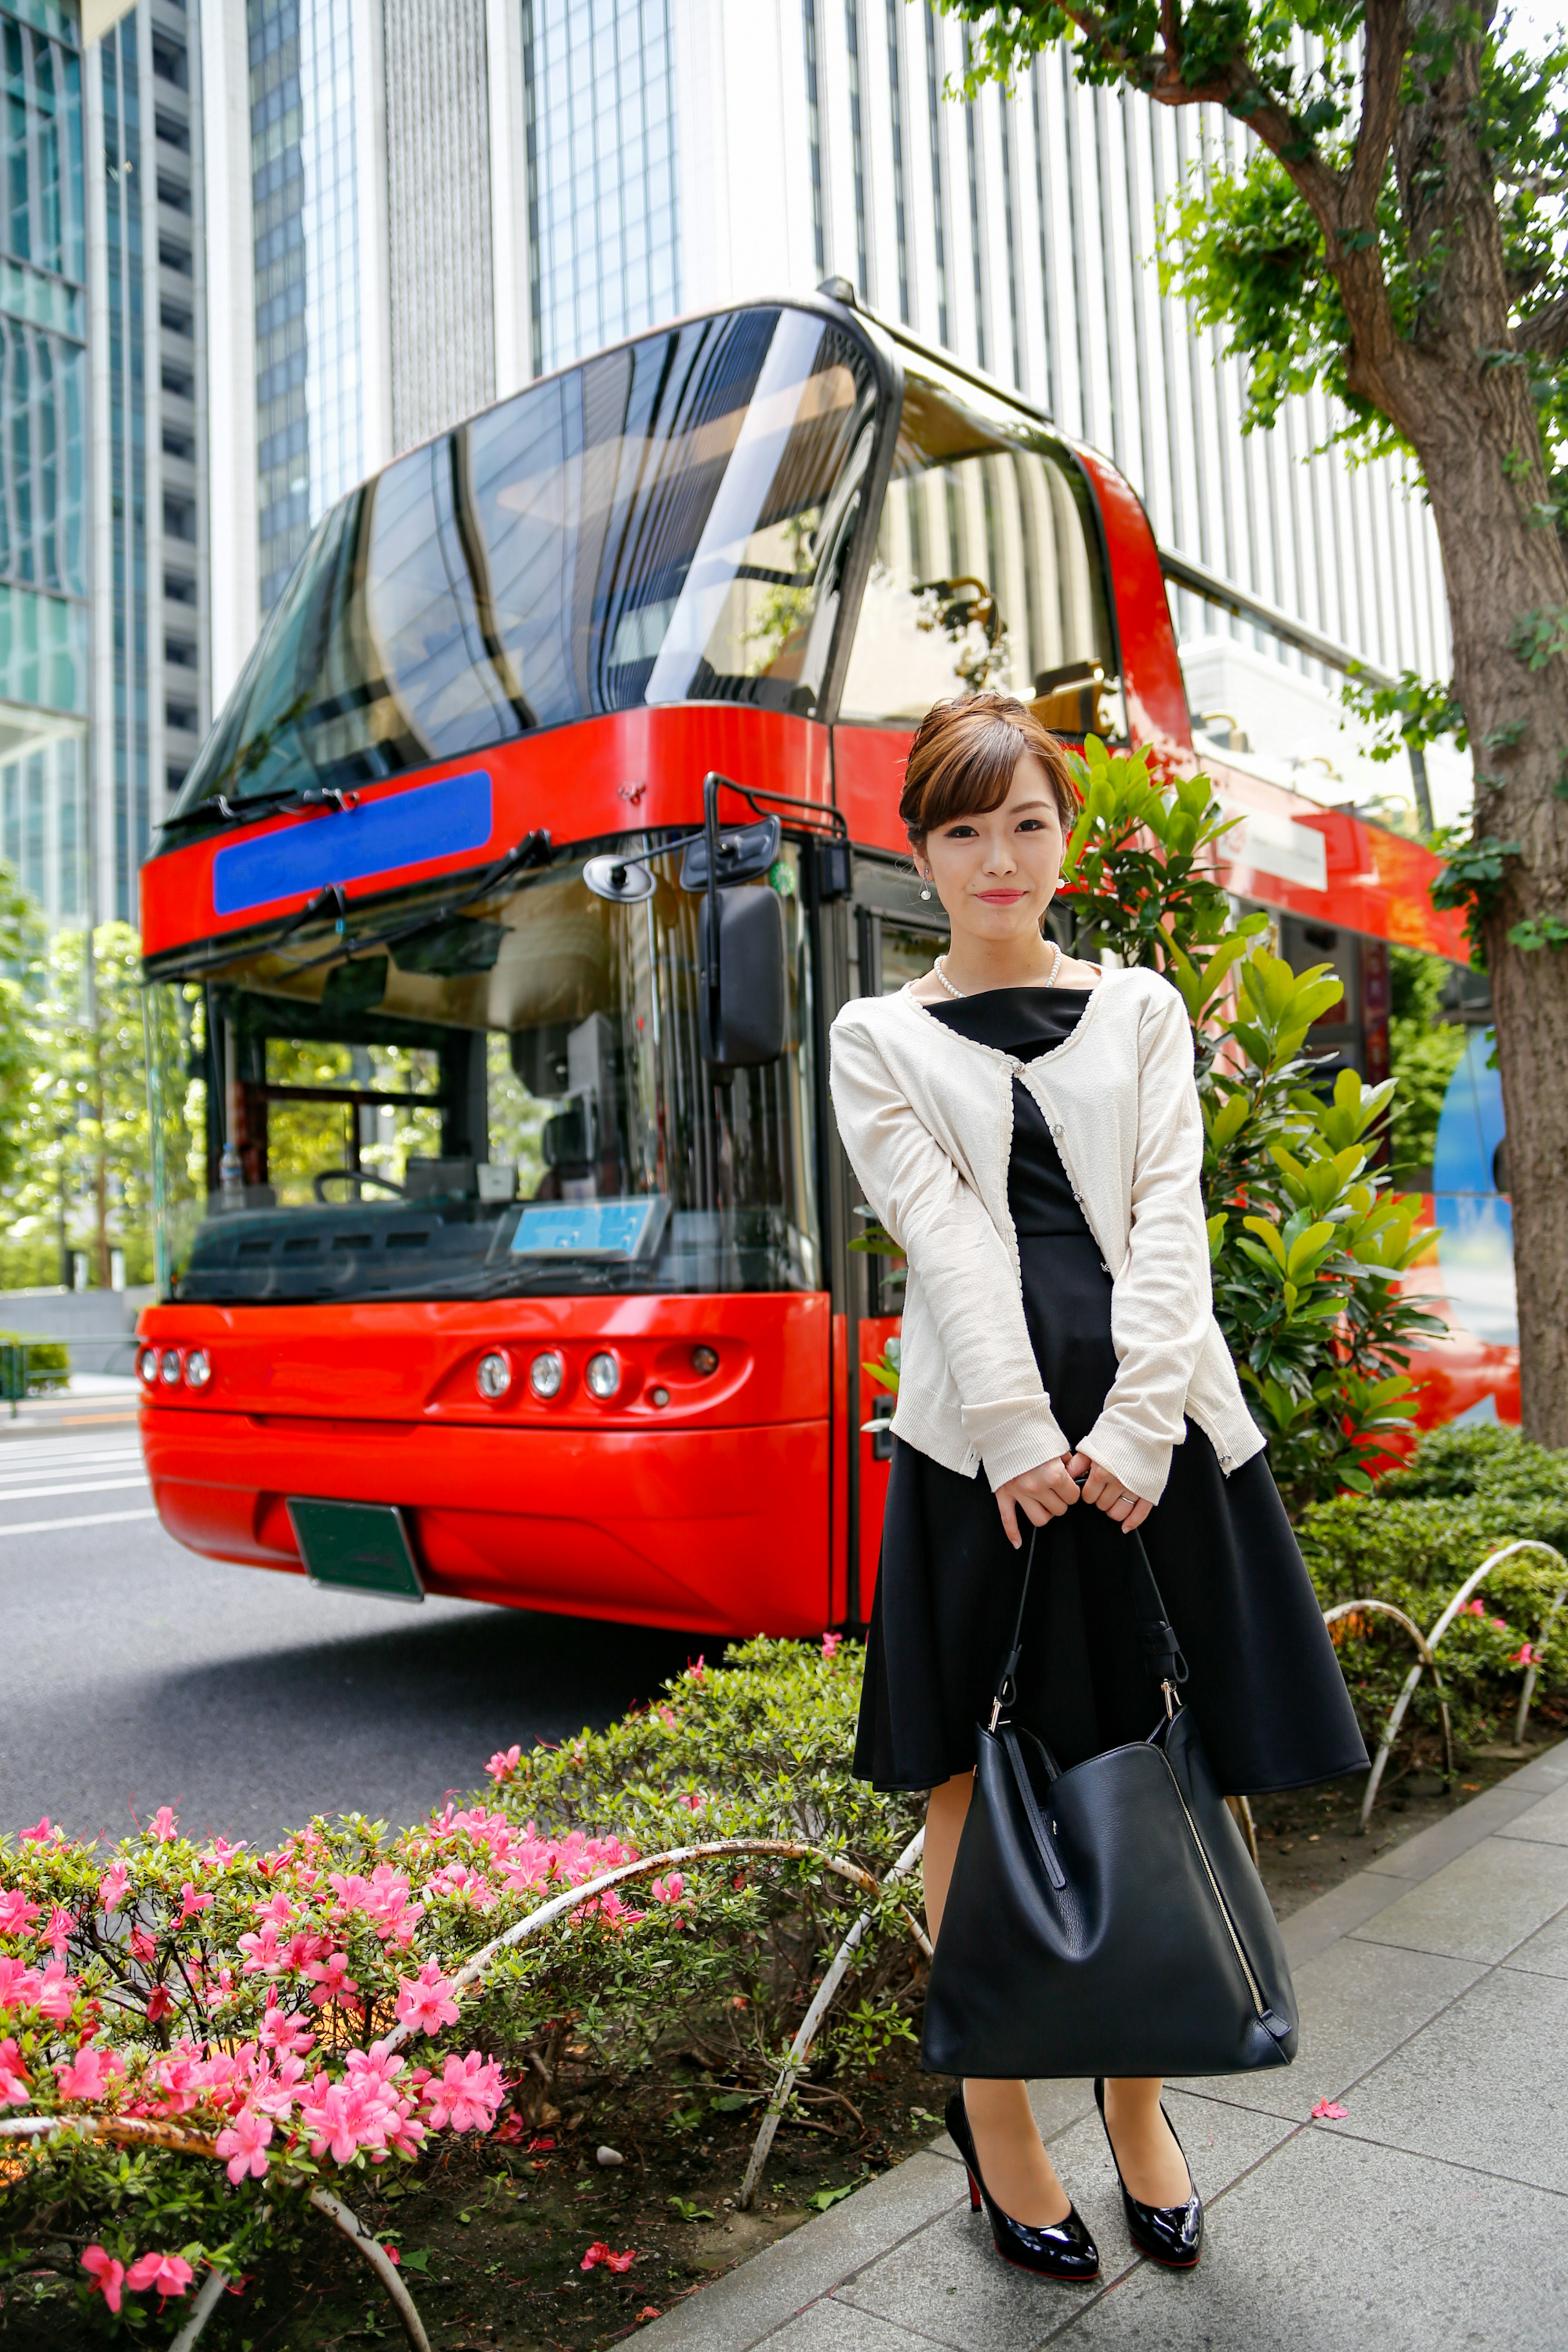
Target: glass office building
{"type": "Point", "coordinates": [44, 549]}
{"type": "Point", "coordinates": [599, 83]}
{"type": "Point", "coordinates": [309, 423]}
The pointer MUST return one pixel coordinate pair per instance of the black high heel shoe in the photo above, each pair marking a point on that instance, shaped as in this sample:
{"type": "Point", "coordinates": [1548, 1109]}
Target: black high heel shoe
{"type": "Point", "coordinates": [1058, 2249]}
{"type": "Point", "coordinates": [1170, 2234]}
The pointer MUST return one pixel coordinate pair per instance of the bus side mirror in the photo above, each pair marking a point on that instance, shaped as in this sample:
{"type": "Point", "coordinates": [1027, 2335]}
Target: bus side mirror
{"type": "Point", "coordinates": [752, 1007]}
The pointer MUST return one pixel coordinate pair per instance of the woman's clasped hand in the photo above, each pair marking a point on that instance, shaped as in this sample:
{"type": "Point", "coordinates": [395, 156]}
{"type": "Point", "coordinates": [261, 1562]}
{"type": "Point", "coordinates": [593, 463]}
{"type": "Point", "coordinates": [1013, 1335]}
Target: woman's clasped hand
{"type": "Point", "coordinates": [1052, 1489]}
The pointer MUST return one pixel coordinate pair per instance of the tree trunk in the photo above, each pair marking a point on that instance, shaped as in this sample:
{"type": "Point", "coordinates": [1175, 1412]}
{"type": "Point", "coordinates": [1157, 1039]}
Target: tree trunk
{"type": "Point", "coordinates": [1503, 568]}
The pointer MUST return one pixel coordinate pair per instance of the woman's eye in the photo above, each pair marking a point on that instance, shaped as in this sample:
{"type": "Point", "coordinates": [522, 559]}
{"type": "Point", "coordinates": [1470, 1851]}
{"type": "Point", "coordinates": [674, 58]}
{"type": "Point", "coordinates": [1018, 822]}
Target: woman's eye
{"type": "Point", "coordinates": [1031, 824]}
{"type": "Point", "coordinates": [961, 833]}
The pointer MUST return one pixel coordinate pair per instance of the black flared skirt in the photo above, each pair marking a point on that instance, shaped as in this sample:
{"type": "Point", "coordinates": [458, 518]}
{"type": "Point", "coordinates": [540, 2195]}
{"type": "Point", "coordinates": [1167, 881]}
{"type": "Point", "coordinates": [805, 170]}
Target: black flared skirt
{"type": "Point", "coordinates": [1265, 1685]}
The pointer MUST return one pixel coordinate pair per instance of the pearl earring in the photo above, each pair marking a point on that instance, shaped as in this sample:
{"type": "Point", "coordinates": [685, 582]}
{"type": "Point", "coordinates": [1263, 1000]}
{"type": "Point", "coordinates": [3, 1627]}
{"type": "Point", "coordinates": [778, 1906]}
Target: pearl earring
{"type": "Point", "coordinates": [924, 892]}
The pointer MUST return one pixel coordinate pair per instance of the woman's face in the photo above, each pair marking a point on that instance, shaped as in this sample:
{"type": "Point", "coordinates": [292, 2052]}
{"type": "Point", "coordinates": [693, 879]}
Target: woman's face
{"type": "Point", "coordinates": [995, 875]}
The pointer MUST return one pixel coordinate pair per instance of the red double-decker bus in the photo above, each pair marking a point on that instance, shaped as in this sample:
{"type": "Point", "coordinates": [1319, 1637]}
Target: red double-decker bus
{"type": "Point", "coordinates": [493, 945]}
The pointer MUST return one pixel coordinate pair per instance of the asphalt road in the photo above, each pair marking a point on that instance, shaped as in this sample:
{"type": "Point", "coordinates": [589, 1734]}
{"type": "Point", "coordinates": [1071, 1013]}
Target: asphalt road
{"type": "Point", "coordinates": [133, 1673]}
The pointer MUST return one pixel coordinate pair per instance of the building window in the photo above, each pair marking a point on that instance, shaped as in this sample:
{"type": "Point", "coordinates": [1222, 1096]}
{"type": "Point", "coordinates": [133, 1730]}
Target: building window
{"type": "Point", "coordinates": [179, 445]}
{"type": "Point", "coordinates": [179, 517]}
{"type": "Point", "coordinates": [600, 89]}
{"type": "Point", "coordinates": [179, 382]}
{"type": "Point", "coordinates": [900, 212]}
{"type": "Point", "coordinates": [938, 191]}
{"type": "Point", "coordinates": [814, 134]}
{"type": "Point", "coordinates": [181, 716]}
{"type": "Point", "coordinates": [180, 652]}
{"type": "Point", "coordinates": [175, 256]}
{"type": "Point", "coordinates": [178, 589]}
{"type": "Point", "coordinates": [170, 63]}
{"type": "Point", "coordinates": [856, 147]}
{"type": "Point", "coordinates": [172, 133]}
{"type": "Point", "coordinates": [175, 321]}
{"type": "Point", "coordinates": [174, 193]}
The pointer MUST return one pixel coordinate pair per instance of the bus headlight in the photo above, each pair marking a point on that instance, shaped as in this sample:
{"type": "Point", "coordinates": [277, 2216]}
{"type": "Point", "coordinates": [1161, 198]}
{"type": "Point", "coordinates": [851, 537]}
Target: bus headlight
{"type": "Point", "coordinates": [198, 1368]}
{"type": "Point", "coordinates": [493, 1376]}
{"type": "Point", "coordinates": [604, 1374]}
{"type": "Point", "coordinates": [546, 1373]}
{"type": "Point", "coordinates": [169, 1367]}
{"type": "Point", "coordinates": [147, 1366]}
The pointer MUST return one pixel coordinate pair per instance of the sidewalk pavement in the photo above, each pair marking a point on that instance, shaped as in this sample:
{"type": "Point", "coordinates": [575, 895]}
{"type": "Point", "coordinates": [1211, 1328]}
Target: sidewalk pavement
{"type": "Point", "coordinates": [1433, 1996]}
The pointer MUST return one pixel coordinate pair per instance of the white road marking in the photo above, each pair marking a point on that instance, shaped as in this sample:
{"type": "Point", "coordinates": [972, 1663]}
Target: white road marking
{"type": "Point", "coordinates": [79, 1486]}
{"type": "Point", "coordinates": [93, 1519]}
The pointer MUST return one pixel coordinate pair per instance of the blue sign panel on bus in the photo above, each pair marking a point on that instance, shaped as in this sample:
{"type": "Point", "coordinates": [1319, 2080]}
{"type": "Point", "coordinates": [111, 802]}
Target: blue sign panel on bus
{"type": "Point", "coordinates": [587, 1228]}
{"type": "Point", "coordinates": [375, 837]}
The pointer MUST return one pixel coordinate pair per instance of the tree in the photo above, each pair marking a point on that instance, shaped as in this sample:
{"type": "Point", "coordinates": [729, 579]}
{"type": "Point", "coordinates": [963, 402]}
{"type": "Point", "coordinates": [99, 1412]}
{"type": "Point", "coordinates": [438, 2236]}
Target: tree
{"type": "Point", "coordinates": [76, 1130]}
{"type": "Point", "coordinates": [1397, 232]}
{"type": "Point", "coordinates": [21, 954]}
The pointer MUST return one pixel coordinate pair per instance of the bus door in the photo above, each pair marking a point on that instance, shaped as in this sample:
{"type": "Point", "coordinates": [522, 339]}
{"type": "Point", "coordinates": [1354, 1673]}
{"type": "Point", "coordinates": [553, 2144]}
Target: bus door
{"type": "Point", "coordinates": [896, 936]}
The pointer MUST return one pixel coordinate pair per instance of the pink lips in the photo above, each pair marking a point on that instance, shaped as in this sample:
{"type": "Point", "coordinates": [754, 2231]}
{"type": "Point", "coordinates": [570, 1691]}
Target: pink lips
{"type": "Point", "coordinates": [1000, 897]}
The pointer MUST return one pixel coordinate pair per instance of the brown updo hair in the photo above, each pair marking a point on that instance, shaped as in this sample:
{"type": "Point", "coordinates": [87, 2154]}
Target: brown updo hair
{"type": "Point", "coordinates": [961, 760]}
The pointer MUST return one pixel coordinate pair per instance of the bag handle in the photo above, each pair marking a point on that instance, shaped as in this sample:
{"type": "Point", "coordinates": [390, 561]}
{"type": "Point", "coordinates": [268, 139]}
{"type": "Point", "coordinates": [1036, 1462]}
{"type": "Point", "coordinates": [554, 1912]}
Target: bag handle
{"type": "Point", "coordinates": [1157, 1642]}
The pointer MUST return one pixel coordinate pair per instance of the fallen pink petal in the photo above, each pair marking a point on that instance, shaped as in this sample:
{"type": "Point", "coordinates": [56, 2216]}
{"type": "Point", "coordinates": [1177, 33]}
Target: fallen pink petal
{"type": "Point", "coordinates": [1329, 2111]}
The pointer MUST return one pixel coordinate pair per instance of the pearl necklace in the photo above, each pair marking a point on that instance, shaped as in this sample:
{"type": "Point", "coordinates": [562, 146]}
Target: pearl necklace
{"type": "Point", "coordinates": [1050, 981]}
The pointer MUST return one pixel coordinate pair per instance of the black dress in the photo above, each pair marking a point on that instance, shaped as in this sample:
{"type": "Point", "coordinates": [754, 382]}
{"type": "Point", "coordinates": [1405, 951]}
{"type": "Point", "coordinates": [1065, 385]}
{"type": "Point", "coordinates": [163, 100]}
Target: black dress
{"type": "Point", "coordinates": [1265, 1685]}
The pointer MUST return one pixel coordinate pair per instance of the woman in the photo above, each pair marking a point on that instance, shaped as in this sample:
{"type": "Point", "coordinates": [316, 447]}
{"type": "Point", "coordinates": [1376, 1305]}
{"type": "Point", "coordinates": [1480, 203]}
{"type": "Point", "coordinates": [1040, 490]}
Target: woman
{"type": "Point", "coordinates": [1027, 1126]}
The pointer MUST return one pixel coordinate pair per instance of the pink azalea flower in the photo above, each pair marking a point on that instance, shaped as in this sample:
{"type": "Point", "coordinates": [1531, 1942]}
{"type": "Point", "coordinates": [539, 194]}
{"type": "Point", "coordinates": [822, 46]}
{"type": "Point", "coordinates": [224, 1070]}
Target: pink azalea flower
{"type": "Point", "coordinates": [504, 1763]}
{"type": "Point", "coordinates": [18, 1983]}
{"type": "Point", "coordinates": [108, 2276]}
{"type": "Point", "coordinates": [697, 1673]}
{"type": "Point", "coordinates": [39, 1834]}
{"type": "Point", "coordinates": [245, 2143]}
{"type": "Point", "coordinates": [1329, 2111]}
{"type": "Point", "coordinates": [111, 1886]}
{"type": "Point", "coordinates": [1473, 1609]}
{"type": "Point", "coordinates": [88, 2074]}
{"type": "Point", "coordinates": [165, 1825]}
{"type": "Point", "coordinates": [56, 1995]}
{"type": "Point", "coordinates": [191, 1903]}
{"type": "Point", "coordinates": [284, 2033]}
{"type": "Point", "coordinates": [1527, 1654]}
{"type": "Point", "coordinates": [220, 1853]}
{"type": "Point", "coordinates": [276, 1908]}
{"type": "Point", "coordinates": [425, 2002]}
{"type": "Point", "coordinates": [144, 1947]}
{"type": "Point", "coordinates": [692, 1800]}
{"type": "Point", "coordinates": [16, 1914]}
{"type": "Point", "coordinates": [332, 1980]}
{"type": "Point", "coordinates": [261, 1952]}
{"type": "Point", "coordinates": [830, 1643]}
{"type": "Point", "coordinates": [56, 1934]}
{"type": "Point", "coordinates": [467, 2096]}
{"type": "Point", "coordinates": [170, 2274]}
{"type": "Point", "coordinates": [160, 2002]}
{"type": "Point", "coordinates": [14, 2091]}
{"type": "Point", "coordinates": [599, 2253]}
{"type": "Point", "coordinates": [347, 2116]}
{"type": "Point", "coordinates": [669, 1890]}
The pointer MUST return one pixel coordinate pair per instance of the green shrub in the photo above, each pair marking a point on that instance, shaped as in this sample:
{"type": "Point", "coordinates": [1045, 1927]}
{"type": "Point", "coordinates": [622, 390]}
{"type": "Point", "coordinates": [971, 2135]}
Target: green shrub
{"type": "Point", "coordinates": [46, 1365]}
{"type": "Point", "coordinates": [1463, 1493]}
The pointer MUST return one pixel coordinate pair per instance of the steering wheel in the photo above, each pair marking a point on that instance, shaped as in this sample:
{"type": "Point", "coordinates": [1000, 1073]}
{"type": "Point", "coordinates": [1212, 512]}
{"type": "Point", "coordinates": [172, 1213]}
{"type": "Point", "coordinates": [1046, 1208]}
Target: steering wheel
{"type": "Point", "coordinates": [353, 1176]}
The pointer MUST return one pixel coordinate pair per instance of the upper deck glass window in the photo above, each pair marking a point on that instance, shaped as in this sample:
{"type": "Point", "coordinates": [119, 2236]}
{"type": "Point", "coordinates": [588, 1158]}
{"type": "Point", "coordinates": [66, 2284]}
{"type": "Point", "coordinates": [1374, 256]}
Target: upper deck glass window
{"type": "Point", "coordinates": [986, 574]}
{"type": "Point", "coordinates": [666, 523]}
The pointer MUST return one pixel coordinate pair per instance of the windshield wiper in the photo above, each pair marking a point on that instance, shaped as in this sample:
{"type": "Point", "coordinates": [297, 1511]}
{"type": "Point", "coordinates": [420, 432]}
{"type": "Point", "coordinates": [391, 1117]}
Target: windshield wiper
{"type": "Point", "coordinates": [533, 849]}
{"type": "Point", "coordinates": [283, 801]}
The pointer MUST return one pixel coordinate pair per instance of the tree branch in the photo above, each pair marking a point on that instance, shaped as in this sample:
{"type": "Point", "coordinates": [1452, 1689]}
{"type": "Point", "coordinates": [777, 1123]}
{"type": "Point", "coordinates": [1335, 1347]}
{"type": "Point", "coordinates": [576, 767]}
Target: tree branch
{"type": "Point", "coordinates": [1545, 332]}
{"type": "Point", "coordinates": [1386, 37]}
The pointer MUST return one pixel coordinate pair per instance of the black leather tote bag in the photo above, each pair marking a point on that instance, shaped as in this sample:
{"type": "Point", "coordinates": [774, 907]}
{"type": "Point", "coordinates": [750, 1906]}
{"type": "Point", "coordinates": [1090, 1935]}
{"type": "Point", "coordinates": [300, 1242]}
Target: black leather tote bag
{"type": "Point", "coordinates": [1107, 1920]}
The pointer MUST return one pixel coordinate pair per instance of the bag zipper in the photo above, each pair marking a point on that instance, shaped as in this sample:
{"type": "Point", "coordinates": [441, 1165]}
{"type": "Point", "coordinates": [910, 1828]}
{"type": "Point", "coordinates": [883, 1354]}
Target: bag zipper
{"type": "Point", "coordinates": [1259, 2004]}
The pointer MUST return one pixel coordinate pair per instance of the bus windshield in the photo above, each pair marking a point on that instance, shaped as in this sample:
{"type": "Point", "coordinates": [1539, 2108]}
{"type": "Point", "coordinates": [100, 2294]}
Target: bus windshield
{"type": "Point", "coordinates": [667, 523]}
{"type": "Point", "coordinates": [504, 1100]}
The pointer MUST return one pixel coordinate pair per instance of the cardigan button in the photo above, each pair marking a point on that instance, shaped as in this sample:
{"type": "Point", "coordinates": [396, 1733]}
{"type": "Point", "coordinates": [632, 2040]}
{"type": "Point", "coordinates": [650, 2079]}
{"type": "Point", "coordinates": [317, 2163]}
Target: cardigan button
{"type": "Point", "coordinates": [1058, 1128]}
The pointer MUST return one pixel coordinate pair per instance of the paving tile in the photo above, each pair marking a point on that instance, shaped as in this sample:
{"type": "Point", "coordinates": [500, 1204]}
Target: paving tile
{"type": "Point", "coordinates": [1487, 2083]}
{"type": "Point", "coordinates": [744, 2306]}
{"type": "Point", "coordinates": [1547, 1770]}
{"type": "Point", "coordinates": [1479, 1907]}
{"type": "Point", "coordinates": [949, 2284]}
{"type": "Point", "coordinates": [1547, 1820]}
{"type": "Point", "coordinates": [1358, 2002]}
{"type": "Point", "coordinates": [1319, 1924]}
{"type": "Point", "coordinates": [832, 2325]}
{"type": "Point", "coordinates": [1544, 1954]}
{"type": "Point", "coordinates": [1335, 2246]}
{"type": "Point", "coordinates": [1430, 1850]}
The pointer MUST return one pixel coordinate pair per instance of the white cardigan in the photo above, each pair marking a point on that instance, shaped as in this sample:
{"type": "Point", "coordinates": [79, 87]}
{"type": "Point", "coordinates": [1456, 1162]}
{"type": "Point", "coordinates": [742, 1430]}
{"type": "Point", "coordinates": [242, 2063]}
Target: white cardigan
{"type": "Point", "coordinates": [926, 1116]}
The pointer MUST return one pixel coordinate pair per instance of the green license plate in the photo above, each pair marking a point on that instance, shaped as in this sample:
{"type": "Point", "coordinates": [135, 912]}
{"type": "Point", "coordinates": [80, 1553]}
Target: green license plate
{"type": "Point", "coordinates": [356, 1547]}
